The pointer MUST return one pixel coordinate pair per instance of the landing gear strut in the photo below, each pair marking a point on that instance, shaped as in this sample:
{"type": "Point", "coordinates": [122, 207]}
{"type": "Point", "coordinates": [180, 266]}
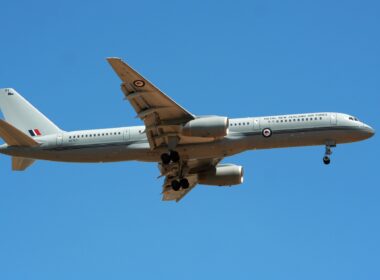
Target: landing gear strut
{"type": "Point", "coordinates": [328, 152]}
{"type": "Point", "coordinates": [172, 156]}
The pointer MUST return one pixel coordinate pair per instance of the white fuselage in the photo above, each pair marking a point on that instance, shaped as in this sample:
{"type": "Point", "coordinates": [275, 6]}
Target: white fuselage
{"type": "Point", "coordinates": [130, 143]}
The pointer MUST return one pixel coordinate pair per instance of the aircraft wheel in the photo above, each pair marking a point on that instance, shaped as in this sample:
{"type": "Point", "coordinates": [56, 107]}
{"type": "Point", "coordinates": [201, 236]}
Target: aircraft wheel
{"type": "Point", "coordinates": [326, 160]}
{"type": "Point", "coordinates": [174, 156]}
{"type": "Point", "coordinates": [165, 158]}
{"type": "Point", "coordinates": [184, 183]}
{"type": "Point", "coordinates": [176, 185]}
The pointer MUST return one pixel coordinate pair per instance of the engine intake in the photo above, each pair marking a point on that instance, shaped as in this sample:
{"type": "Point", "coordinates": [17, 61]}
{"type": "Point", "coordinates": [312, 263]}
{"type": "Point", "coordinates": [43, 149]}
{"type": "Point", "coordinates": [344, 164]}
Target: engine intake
{"type": "Point", "coordinates": [215, 127]}
{"type": "Point", "coordinates": [223, 175]}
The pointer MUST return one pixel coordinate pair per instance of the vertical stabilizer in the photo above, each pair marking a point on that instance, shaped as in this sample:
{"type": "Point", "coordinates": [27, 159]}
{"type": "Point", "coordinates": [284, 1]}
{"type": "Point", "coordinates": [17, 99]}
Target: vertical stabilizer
{"type": "Point", "coordinates": [24, 116]}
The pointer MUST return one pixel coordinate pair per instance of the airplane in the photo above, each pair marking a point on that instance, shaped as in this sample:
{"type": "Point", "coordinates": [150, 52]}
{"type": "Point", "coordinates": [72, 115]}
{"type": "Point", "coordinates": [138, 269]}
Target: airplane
{"type": "Point", "coordinates": [188, 148]}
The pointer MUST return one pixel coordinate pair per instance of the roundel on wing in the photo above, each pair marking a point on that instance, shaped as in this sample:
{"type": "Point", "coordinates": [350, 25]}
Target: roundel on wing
{"type": "Point", "coordinates": [267, 132]}
{"type": "Point", "coordinates": [139, 83]}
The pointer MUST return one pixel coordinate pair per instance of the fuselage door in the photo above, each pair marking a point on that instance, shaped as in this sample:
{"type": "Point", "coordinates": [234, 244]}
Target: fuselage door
{"type": "Point", "coordinates": [333, 118]}
{"type": "Point", "coordinates": [256, 124]}
{"type": "Point", "coordinates": [59, 139]}
{"type": "Point", "coordinates": [126, 135]}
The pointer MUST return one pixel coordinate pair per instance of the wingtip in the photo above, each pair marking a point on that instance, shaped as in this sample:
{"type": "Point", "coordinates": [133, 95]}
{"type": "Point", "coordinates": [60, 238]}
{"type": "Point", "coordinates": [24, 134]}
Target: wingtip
{"type": "Point", "coordinates": [113, 58]}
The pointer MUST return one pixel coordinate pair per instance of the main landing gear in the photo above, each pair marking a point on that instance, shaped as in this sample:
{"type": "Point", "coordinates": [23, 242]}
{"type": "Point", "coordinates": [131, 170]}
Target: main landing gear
{"type": "Point", "coordinates": [172, 156]}
{"type": "Point", "coordinates": [177, 185]}
{"type": "Point", "coordinates": [328, 152]}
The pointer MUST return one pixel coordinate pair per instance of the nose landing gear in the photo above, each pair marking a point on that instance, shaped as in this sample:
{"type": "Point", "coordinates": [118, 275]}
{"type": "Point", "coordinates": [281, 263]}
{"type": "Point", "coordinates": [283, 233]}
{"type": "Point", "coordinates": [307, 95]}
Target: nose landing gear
{"type": "Point", "coordinates": [328, 152]}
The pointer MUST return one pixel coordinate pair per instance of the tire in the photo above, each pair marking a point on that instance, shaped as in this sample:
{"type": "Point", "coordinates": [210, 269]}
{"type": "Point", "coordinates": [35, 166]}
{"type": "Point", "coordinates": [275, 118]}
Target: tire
{"type": "Point", "coordinates": [174, 156]}
{"type": "Point", "coordinates": [176, 185]}
{"type": "Point", "coordinates": [326, 160]}
{"type": "Point", "coordinates": [184, 183]}
{"type": "Point", "coordinates": [165, 158]}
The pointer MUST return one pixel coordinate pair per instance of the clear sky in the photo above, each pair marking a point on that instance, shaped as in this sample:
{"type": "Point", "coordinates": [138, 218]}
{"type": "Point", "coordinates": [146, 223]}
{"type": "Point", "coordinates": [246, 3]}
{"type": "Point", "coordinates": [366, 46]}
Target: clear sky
{"type": "Point", "coordinates": [293, 218]}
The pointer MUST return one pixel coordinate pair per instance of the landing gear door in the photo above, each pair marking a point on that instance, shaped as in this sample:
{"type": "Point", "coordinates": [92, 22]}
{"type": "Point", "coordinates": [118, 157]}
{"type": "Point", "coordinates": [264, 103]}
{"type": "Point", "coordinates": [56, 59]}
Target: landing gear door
{"type": "Point", "coordinates": [333, 119]}
{"type": "Point", "coordinates": [59, 139]}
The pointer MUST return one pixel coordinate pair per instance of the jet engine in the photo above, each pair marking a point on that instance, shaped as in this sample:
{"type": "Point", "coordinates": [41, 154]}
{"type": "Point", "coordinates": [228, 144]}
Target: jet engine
{"type": "Point", "coordinates": [214, 126]}
{"type": "Point", "coordinates": [222, 175]}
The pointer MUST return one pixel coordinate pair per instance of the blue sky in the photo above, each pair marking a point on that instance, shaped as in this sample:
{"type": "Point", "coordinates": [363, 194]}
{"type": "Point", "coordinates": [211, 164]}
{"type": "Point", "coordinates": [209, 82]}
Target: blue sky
{"type": "Point", "coordinates": [293, 218]}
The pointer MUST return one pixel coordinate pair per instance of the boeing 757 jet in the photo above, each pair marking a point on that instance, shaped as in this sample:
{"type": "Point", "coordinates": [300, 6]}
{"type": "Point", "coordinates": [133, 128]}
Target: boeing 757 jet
{"type": "Point", "coordinates": [188, 148]}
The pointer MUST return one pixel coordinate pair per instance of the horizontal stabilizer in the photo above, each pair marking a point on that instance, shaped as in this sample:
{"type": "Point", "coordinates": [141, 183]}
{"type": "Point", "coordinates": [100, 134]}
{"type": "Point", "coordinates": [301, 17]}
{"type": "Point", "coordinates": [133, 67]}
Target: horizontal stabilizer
{"type": "Point", "coordinates": [14, 137]}
{"type": "Point", "coordinates": [20, 163]}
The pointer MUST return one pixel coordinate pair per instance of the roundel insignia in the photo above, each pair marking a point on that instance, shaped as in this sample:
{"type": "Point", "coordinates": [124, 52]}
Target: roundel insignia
{"type": "Point", "coordinates": [267, 132]}
{"type": "Point", "coordinates": [139, 83]}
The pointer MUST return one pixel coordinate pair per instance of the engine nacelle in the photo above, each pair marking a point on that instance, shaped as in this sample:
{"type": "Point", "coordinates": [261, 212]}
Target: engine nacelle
{"type": "Point", "coordinates": [206, 127]}
{"type": "Point", "coordinates": [223, 175]}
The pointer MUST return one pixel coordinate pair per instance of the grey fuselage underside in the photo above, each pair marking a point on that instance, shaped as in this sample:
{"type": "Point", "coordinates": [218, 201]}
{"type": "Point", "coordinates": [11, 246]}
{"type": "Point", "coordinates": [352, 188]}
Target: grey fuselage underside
{"type": "Point", "coordinates": [130, 143]}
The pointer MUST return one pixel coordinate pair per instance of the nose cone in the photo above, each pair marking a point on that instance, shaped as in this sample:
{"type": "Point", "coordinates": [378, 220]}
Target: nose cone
{"type": "Point", "coordinates": [368, 131]}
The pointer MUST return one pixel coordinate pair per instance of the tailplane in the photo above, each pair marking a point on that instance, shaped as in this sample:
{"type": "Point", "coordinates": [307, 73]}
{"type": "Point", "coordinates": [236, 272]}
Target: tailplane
{"type": "Point", "coordinates": [24, 116]}
{"type": "Point", "coordinates": [20, 163]}
{"type": "Point", "coordinates": [14, 137]}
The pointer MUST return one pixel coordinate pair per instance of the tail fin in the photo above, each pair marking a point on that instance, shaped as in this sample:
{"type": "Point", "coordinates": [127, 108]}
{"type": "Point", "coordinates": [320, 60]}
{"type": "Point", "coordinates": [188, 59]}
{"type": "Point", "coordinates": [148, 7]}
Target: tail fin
{"type": "Point", "coordinates": [22, 115]}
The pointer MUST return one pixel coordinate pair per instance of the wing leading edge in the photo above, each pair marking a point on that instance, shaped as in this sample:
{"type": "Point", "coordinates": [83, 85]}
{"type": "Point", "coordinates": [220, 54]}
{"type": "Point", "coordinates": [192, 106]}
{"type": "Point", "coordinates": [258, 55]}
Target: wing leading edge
{"type": "Point", "coordinates": [161, 115]}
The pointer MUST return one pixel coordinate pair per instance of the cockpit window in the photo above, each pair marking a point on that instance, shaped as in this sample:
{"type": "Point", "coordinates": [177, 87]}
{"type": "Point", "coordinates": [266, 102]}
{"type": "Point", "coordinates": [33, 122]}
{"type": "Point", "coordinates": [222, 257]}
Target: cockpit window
{"type": "Point", "coordinates": [353, 118]}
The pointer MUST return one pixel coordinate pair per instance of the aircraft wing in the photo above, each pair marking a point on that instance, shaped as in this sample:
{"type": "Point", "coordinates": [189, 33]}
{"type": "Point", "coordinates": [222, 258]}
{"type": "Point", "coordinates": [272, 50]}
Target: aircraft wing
{"type": "Point", "coordinates": [189, 169]}
{"type": "Point", "coordinates": [161, 115]}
